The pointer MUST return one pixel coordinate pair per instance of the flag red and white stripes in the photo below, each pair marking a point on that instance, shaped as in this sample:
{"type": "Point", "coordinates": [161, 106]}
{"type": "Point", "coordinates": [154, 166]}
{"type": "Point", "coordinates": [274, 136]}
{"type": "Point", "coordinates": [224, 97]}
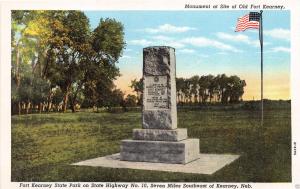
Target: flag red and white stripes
{"type": "Point", "coordinates": [249, 21]}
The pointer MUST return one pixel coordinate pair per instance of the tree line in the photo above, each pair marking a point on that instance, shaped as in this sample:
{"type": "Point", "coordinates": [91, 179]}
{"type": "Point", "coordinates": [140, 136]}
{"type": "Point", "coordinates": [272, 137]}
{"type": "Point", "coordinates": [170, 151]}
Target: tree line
{"type": "Point", "coordinates": [203, 89]}
{"type": "Point", "coordinates": [59, 62]}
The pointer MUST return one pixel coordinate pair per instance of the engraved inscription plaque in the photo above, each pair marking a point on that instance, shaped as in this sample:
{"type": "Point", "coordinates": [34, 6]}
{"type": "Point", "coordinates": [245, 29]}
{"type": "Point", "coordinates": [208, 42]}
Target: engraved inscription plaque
{"type": "Point", "coordinates": [156, 96]}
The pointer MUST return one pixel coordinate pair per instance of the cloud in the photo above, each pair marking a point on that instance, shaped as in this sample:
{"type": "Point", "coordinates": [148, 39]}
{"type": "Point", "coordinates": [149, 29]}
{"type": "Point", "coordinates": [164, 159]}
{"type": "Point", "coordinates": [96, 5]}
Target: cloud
{"type": "Point", "coordinates": [278, 33]}
{"type": "Point", "coordinates": [281, 49]}
{"type": "Point", "coordinates": [205, 42]}
{"type": "Point", "coordinates": [184, 42]}
{"type": "Point", "coordinates": [140, 42]}
{"type": "Point", "coordinates": [202, 55]}
{"type": "Point", "coordinates": [128, 50]}
{"type": "Point", "coordinates": [222, 53]}
{"type": "Point", "coordinates": [187, 51]}
{"type": "Point", "coordinates": [168, 28]}
{"type": "Point", "coordinates": [238, 38]}
{"type": "Point", "coordinates": [175, 44]}
{"type": "Point", "coordinates": [162, 37]}
{"type": "Point", "coordinates": [145, 42]}
{"type": "Point", "coordinates": [167, 41]}
{"type": "Point", "coordinates": [126, 57]}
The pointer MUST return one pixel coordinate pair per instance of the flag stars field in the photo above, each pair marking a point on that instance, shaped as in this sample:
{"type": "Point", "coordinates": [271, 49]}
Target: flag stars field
{"type": "Point", "coordinates": [206, 43]}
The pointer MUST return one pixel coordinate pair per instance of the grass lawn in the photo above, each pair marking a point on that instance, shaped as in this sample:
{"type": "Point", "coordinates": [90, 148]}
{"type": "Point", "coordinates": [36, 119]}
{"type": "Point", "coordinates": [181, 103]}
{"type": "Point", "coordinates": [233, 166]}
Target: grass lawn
{"type": "Point", "coordinates": [44, 145]}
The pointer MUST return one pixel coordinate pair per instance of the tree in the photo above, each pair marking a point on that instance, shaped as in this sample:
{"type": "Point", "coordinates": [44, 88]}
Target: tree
{"type": "Point", "coordinates": [179, 89]}
{"type": "Point", "coordinates": [130, 101]}
{"type": "Point", "coordinates": [108, 40]}
{"type": "Point", "coordinates": [211, 86]}
{"type": "Point", "coordinates": [218, 89]}
{"type": "Point", "coordinates": [25, 91]}
{"type": "Point", "coordinates": [235, 88]}
{"type": "Point", "coordinates": [69, 46]}
{"type": "Point", "coordinates": [223, 85]}
{"type": "Point", "coordinates": [40, 90]}
{"type": "Point", "coordinates": [63, 52]}
{"type": "Point", "coordinates": [115, 99]}
{"type": "Point", "coordinates": [39, 31]}
{"type": "Point", "coordinates": [204, 83]}
{"type": "Point", "coordinates": [30, 35]}
{"type": "Point", "coordinates": [138, 87]}
{"type": "Point", "coordinates": [22, 50]}
{"type": "Point", "coordinates": [57, 98]}
{"type": "Point", "coordinates": [194, 87]}
{"type": "Point", "coordinates": [97, 91]}
{"type": "Point", "coordinates": [107, 44]}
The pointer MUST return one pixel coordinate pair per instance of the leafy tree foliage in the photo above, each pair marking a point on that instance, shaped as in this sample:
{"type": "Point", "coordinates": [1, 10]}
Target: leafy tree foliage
{"type": "Point", "coordinates": [209, 88]}
{"type": "Point", "coordinates": [204, 89]}
{"type": "Point", "coordinates": [131, 101]}
{"type": "Point", "coordinates": [137, 87]}
{"type": "Point", "coordinates": [67, 59]}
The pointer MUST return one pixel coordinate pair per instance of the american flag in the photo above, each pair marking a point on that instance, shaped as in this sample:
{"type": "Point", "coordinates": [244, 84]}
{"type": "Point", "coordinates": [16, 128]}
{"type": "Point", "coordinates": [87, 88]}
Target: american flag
{"type": "Point", "coordinates": [249, 21]}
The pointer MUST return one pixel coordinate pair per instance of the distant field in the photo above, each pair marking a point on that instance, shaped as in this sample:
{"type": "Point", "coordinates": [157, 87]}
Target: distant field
{"type": "Point", "coordinates": [44, 145]}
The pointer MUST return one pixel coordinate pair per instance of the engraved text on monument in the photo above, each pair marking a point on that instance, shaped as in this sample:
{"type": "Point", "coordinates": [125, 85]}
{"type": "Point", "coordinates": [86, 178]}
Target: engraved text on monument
{"type": "Point", "coordinates": [156, 97]}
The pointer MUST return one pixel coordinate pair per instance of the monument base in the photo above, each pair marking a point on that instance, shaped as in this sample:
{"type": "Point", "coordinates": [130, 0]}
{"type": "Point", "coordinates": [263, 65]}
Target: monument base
{"type": "Point", "coordinates": [205, 164]}
{"type": "Point", "coordinates": [180, 152]}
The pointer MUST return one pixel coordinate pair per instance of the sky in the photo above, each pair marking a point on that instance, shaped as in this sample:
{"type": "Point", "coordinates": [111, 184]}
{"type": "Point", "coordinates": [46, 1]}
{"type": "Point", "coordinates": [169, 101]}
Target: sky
{"type": "Point", "coordinates": [206, 43]}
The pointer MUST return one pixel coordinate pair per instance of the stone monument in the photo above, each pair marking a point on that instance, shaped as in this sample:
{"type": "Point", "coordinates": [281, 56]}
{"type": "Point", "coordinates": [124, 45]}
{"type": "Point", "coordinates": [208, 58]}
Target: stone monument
{"type": "Point", "coordinates": [160, 145]}
{"type": "Point", "coordinates": [159, 140]}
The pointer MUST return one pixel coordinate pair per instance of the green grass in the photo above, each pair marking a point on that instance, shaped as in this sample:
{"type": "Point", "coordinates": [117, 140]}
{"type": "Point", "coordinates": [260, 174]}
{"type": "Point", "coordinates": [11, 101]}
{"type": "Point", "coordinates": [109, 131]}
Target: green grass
{"type": "Point", "coordinates": [44, 145]}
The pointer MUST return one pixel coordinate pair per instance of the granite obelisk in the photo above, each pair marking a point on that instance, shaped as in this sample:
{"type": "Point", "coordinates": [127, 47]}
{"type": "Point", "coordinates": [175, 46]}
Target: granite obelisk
{"type": "Point", "coordinates": [159, 140]}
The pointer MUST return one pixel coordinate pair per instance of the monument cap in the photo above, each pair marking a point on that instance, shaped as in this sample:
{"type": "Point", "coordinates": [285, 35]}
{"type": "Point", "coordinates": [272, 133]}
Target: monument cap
{"type": "Point", "coordinates": [151, 47]}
